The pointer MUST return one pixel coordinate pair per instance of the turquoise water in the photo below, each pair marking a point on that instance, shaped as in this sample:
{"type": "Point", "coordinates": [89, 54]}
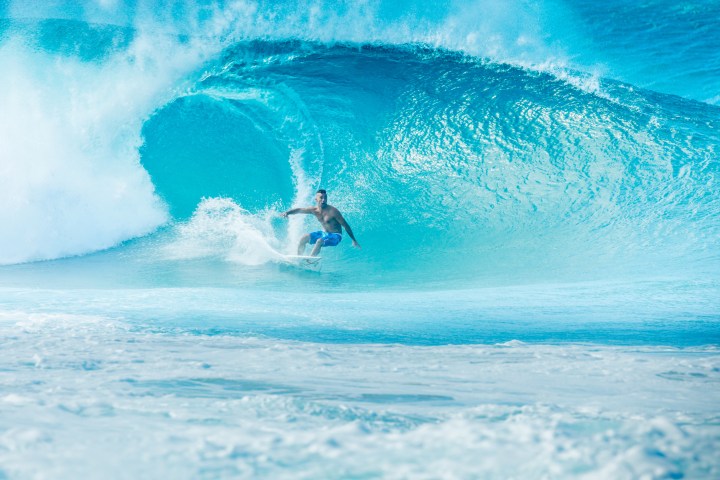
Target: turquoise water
{"type": "Point", "coordinates": [534, 186]}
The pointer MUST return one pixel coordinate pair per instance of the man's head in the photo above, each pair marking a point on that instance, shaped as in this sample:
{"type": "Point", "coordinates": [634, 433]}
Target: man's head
{"type": "Point", "coordinates": [321, 197]}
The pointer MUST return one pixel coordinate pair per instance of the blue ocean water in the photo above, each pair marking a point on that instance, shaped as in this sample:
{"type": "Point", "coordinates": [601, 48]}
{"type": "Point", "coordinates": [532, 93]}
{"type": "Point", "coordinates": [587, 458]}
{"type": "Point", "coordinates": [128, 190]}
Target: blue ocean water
{"type": "Point", "coordinates": [534, 185]}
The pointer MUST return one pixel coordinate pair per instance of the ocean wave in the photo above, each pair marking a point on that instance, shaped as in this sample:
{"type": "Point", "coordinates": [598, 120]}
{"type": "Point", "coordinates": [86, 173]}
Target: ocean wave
{"type": "Point", "coordinates": [494, 165]}
{"type": "Point", "coordinates": [490, 157]}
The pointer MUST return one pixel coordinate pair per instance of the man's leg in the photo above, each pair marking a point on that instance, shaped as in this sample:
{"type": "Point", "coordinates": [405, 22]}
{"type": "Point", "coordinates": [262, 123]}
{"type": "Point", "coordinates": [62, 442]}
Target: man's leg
{"type": "Point", "coordinates": [317, 247]}
{"type": "Point", "coordinates": [303, 241]}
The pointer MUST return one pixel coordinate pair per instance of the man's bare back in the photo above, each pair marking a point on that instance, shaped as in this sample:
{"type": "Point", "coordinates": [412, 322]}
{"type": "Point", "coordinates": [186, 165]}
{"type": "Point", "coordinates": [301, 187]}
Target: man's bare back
{"type": "Point", "coordinates": [331, 220]}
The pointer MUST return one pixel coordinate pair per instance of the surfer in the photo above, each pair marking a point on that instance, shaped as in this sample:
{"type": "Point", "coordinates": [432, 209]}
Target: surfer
{"type": "Point", "coordinates": [331, 220]}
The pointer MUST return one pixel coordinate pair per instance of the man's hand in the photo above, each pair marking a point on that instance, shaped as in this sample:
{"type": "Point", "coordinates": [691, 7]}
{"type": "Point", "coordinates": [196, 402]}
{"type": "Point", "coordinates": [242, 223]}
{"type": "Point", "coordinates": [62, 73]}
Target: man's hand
{"type": "Point", "coordinates": [284, 214]}
{"type": "Point", "coordinates": [355, 244]}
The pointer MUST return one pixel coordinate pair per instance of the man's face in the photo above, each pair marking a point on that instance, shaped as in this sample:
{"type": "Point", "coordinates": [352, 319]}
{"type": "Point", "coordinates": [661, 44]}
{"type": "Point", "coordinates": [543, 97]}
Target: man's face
{"type": "Point", "coordinates": [321, 198]}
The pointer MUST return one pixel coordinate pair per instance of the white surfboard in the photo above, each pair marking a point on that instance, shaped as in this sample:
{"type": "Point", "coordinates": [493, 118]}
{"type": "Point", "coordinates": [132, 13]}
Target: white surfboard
{"type": "Point", "coordinates": [305, 262]}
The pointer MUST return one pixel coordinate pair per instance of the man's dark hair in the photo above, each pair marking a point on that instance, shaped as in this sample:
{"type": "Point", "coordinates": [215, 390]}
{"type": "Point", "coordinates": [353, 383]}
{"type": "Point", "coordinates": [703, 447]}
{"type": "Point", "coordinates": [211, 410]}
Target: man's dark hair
{"type": "Point", "coordinates": [322, 191]}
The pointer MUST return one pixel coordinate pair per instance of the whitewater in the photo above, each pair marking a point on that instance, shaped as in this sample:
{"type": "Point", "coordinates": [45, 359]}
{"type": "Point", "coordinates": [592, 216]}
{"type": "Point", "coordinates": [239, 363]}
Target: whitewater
{"type": "Point", "coordinates": [534, 184]}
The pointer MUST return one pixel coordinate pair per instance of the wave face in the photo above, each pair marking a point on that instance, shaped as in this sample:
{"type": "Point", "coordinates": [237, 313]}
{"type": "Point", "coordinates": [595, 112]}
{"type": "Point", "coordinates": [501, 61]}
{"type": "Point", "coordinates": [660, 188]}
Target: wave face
{"type": "Point", "coordinates": [457, 145]}
{"type": "Point", "coordinates": [428, 151]}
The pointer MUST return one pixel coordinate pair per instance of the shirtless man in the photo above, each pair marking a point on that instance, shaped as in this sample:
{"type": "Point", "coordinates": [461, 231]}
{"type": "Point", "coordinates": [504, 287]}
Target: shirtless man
{"type": "Point", "coordinates": [331, 220]}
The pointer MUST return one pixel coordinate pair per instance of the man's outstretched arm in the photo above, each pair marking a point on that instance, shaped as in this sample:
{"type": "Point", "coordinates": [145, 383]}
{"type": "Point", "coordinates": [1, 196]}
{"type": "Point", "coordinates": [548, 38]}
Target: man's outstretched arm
{"type": "Point", "coordinates": [293, 211]}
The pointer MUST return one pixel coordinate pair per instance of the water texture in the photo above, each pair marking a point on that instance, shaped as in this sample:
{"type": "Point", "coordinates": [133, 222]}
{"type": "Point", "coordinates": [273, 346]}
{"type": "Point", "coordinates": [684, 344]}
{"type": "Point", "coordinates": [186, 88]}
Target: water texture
{"type": "Point", "coordinates": [534, 185]}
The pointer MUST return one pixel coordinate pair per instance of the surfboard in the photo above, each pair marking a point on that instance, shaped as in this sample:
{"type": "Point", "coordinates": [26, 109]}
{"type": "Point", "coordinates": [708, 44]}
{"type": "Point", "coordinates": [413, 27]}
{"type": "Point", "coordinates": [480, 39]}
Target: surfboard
{"type": "Point", "coordinates": [305, 262]}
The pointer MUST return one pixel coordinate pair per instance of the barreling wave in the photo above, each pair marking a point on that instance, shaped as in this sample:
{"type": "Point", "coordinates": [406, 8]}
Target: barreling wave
{"type": "Point", "coordinates": [429, 152]}
{"type": "Point", "coordinates": [449, 154]}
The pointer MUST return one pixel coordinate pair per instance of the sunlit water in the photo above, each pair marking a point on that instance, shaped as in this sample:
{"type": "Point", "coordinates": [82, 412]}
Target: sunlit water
{"type": "Point", "coordinates": [534, 185]}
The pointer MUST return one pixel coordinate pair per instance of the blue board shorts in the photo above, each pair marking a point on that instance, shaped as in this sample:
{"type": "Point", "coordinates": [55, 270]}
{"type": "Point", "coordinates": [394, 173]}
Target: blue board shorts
{"type": "Point", "coordinates": [329, 239]}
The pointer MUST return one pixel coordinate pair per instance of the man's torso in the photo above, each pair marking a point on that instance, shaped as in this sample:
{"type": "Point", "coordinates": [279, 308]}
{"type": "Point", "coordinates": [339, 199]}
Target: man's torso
{"type": "Point", "coordinates": [328, 217]}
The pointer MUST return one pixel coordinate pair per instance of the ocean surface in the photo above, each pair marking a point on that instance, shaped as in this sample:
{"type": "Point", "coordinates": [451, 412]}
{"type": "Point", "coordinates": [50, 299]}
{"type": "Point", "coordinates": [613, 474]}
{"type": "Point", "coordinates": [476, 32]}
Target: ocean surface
{"type": "Point", "coordinates": [535, 185]}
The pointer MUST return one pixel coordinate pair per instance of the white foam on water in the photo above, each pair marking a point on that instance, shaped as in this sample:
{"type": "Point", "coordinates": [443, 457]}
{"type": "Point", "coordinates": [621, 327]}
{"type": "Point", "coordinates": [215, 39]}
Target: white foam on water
{"type": "Point", "coordinates": [70, 133]}
{"type": "Point", "coordinates": [106, 393]}
{"type": "Point", "coordinates": [220, 228]}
